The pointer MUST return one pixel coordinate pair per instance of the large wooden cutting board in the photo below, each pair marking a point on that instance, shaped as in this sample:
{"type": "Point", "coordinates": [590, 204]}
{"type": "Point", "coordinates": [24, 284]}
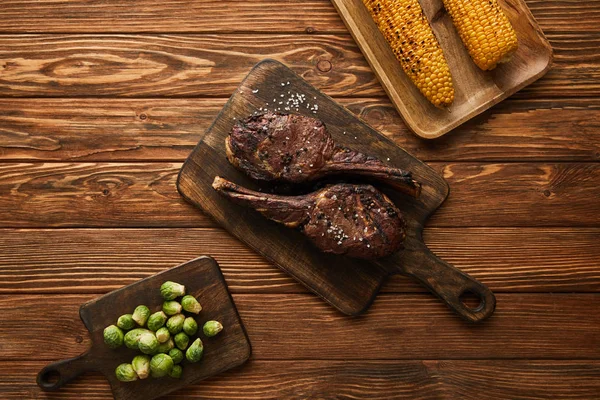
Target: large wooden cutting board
{"type": "Point", "coordinates": [475, 90]}
{"type": "Point", "coordinates": [203, 279]}
{"type": "Point", "coordinates": [348, 284]}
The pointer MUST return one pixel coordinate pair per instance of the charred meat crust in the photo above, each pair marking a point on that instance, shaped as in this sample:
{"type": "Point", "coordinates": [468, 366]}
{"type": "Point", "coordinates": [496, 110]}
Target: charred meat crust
{"type": "Point", "coordinates": [354, 220]}
{"type": "Point", "coordinates": [294, 148]}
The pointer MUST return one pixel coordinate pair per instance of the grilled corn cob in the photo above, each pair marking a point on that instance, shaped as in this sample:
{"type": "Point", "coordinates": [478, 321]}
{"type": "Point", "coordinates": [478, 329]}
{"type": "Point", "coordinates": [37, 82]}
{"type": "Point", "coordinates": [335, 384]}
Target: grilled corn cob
{"type": "Point", "coordinates": [484, 29]}
{"type": "Point", "coordinates": [408, 33]}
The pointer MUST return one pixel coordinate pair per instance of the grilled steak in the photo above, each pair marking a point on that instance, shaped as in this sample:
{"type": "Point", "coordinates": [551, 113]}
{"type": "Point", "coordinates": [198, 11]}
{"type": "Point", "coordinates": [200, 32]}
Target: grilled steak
{"type": "Point", "coordinates": [293, 148]}
{"type": "Point", "coordinates": [355, 220]}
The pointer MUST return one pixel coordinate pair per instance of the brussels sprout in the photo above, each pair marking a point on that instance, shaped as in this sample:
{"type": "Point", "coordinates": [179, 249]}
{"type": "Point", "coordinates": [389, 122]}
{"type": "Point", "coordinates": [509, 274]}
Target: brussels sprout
{"type": "Point", "coordinates": [156, 321]}
{"type": "Point", "coordinates": [190, 304]}
{"type": "Point", "coordinates": [175, 323]}
{"type": "Point", "coordinates": [126, 322]}
{"type": "Point", "coordinates": [113, 337]}
{"type": "Point", "coordinates": [141, 366]}
{"type": "Point", "coordinates": [176, 372]}
{"type": "Point", "coordinates": [194, 352]}
{"type": "Point", "coordinates": [212, 328]}
{"type": "Point", "coordinates": [126, 373]}
{"type": "Point", "coordinates": [171, 290]}
{"type": "Point", "coordinates": [163, 334]}
{"type": "Point", "coordinates": [148, 343]}
{"type": "Point", "coordinates": [165, 347]}
{"type": "Point", "coordinates": [171, 307]}
{"type": "Point", "coordinates": [133, 337]}
{"type": "Point", "coordinates": [190, 326]}
{"type": "Point", "coordinates": [140, 315]}
{"type": "Point", "coordinates": [182, 340]}
{"type": "Point", "coordinates": [176, 355]}
{"type": "Point", "coordinates": [161, 365]}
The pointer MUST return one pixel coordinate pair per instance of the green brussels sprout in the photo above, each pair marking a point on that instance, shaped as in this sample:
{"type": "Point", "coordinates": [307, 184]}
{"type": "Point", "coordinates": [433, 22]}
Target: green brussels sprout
{"type": "Point", "coordinates": [195, 351]}
{"type": "Point", "coordinates": [163, 334]}
{"type": "Point", "coordinates": [175, 323]}
{"type": "Point", "coordinates": [126, 373]}
{"type": "Point", "coordinates": [190, 326]}
{"type": "Point", "coordinates": [165, 347]}
{"type": "Point", "coordinates": [156, 321]}
{"type": "Point", "coordinates": [140, 315]}
{"type": "Point", "coordinates": [176, 372]}
{"type": "Point", "coordinates": [126, 322]}
{"type": "Point", "coordinates": [113, 337]}
{"type": "Point", "coordinates": [212, 328]}
{"type": "Point", "coordinates": [176, 355]}
{"type": "Point", "coordinates": [171, 307]}
{"type": "Point", "coordinates": [171, 290]}
{"type": "Point", "coordinates": [161, 365]}
{"type": "Point", "coordinates": [133, 337]}
{"type": "Point", "coordinates": [182, 340]}
{"type": "Point", "coordinates": [141, 366]}
{"type": "Point", "coordinates": [148, 344]}
{"type": "Point", "coordinates": [190, 304]}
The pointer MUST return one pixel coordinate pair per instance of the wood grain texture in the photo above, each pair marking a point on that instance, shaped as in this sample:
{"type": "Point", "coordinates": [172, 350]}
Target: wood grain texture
{"type": "Point", "coordinates": [22, 16]}
{"type": "Point", "coordinates": [384, 380]}
{"type": "Point", "coordinates": [474, 90]}
{"type": "Point", "coordinates": [203, 280]}
{"type": "Point", "coordinates": [100, 260]}
{"type": "Point", "coordinates": [302, 326]}
{"type": "Point", "coordinates": [555, 119]}
{"type": "Point", "coordinates": [168, 129]}
{"type": "Point", "coordinates": [80, 65]}
{"type": "Point", "coordinates": [73, 194]}
{"type": "Point", "coordinates": [144, 195]}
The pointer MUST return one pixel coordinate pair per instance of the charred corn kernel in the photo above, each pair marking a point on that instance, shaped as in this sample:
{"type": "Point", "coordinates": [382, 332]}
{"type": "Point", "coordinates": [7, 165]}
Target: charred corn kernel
{"type": "Point", "coordinates": [408, 33]}
{"type": "Point", "coordinates": [484, 29]}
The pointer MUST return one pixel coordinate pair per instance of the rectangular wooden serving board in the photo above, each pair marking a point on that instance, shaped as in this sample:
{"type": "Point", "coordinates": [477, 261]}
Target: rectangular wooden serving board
{"type": "Point", "coordinates": [475, 90]}
{"type": "Point", "coordinates": [203, 279]}
{"type": "Point", "coordinates": [348, 284]}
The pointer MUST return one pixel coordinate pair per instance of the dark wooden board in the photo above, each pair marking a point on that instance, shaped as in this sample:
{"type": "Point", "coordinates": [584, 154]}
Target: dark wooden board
{"type": "Point", "coordinates": [348, 284]}
{"type": "Point", "coordinates": [202, 279]}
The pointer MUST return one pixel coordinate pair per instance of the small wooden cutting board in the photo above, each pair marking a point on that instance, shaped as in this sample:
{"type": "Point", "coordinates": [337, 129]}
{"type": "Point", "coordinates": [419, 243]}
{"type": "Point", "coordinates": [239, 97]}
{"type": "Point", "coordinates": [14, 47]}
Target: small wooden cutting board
{"type": "Point", "coordinates": [203, 279]}
{"type": "Point", "coordinates": [348, 284]}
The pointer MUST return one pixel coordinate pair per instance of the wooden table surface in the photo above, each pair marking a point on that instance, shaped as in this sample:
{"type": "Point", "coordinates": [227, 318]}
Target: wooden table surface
{"type": "Point", "coordinates": [101, 101]}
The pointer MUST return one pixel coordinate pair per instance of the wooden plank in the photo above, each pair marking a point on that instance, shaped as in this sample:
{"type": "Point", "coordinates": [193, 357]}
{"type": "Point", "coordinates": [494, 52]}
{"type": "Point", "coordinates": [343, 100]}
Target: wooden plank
{"type": "Point", "coordinates": [415, 380]}
{"type": "Point", "coordinates": [302, 326]}
{"type": "Point", "coordinates": [172, 65]}
{"type": "Point", "coordinates": [86, 194]}
{"type": "Point", "coordinates": [248, 16]}
{"type": "Point", "coordinates": [168, 130]}
{"type": "Point", "coordinates": [144, 195]}
{"type": "Point", "coordinates": [160, 16]}
{"type": "Point", "coordinates": [81, 65]}
{"type": "Point", "coordinates": [102, 260]}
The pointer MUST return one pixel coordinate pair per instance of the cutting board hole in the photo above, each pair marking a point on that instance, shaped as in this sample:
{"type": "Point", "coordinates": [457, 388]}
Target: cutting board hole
{"type": "Point", "coordinates": [471, 300]}
{"type": "Point", "coordinates": [50, 378]}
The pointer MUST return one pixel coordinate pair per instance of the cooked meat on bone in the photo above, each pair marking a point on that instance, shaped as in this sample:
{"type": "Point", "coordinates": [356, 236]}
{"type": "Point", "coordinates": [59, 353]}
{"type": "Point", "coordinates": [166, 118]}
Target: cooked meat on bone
{"type": "Point", "coordinates": [293, 148]}
{"type": "Point", "coordinates": [355, 220]}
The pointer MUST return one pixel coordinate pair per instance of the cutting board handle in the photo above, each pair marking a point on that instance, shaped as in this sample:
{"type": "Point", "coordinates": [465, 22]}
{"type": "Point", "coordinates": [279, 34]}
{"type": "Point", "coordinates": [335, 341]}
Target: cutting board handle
{"type": "Point", "coordinates": [450, 284]}
{"type": "Point", "coordinates": [53, 376]}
